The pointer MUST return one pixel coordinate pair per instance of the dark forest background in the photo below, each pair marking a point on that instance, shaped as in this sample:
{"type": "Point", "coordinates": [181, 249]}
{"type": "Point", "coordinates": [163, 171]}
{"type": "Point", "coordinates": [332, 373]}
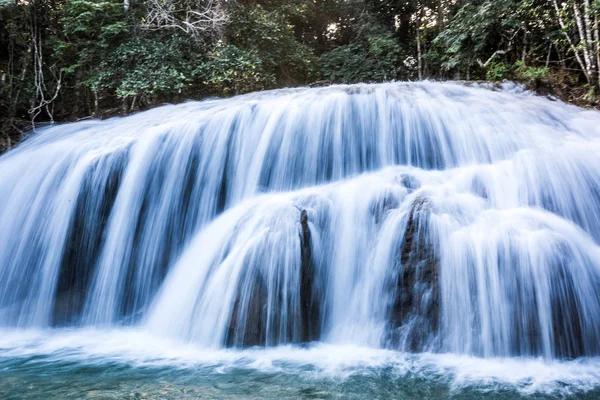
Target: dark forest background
{"type": "Point", "coordinates": [67, 60]}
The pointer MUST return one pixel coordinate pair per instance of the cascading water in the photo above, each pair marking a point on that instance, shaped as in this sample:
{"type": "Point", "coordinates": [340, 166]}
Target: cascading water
{"type": "Point", "coordinates": [419, 217]}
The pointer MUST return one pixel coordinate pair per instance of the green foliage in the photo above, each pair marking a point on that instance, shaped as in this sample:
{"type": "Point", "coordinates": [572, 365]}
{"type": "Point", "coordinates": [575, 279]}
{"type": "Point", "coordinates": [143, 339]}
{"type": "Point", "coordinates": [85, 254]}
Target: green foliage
{"type": "Point", "coordinates": [232, 70]}
{"type": "Point", "coordinates": [90, 30]}
{"type": "Point", "coordinates": [374, 56]}
{"type": "Point", "coordinates": [14, 41]}
{"type": "Point", "coordinates": [496, 71]}
{"type": "Point", "coordinates": [269, 37]}
{"type": "Point", "coordinates": [147, 68]}
{"type": "Point", "coordinates": [477, 30]}
{"type": "Point", "coordinates": [528, 73]}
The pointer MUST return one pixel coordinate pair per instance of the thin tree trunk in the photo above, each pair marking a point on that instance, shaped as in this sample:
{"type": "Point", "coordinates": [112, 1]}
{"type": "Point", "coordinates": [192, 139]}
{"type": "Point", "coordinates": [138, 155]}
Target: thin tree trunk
{"type": "Point", "coordinates": [589, 41]}
{"type": "Point", "coordinates": [596, 43]}
{"type": "Point", "coordinates": [524, 52]}
{"type": "Point", "coordinates": [582, 38]}
{"type": "Point", "coordinates": [419, 55]}
{"type": "Point", "coordinates": [442, 15]}
{"type": "Point", "coordinates": [561, 22]}
{"type": "Point", "coordinates": [95, 91]}
{"type": "Point", "coordinates": [419, 58]}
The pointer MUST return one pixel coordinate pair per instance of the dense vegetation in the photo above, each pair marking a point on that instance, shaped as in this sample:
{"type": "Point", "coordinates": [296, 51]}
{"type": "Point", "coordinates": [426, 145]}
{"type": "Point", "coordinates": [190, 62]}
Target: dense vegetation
{"type": "Point", "coordinates": [63, 60]}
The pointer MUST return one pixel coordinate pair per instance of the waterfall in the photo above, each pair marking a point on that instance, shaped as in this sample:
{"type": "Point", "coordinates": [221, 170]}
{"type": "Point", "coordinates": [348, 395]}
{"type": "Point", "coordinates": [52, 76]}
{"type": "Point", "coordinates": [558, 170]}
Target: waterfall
{"type": "Point", "coordinates": [420, 217]}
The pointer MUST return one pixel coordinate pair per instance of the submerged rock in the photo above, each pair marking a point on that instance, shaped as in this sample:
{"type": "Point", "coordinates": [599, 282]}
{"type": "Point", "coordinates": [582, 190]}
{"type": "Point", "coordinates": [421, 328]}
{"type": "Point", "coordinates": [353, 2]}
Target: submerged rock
{"type": "Point", "coordinates": [479, 187]}
{"type": "Point", "coordinates": [410, 182]}
{"type": "Point", "coordinates": [252, 323]}
{"type": "Point", "coordinates": [84, 244]}
{"type": "Point", "coordinates": [569, 337]}
{"type": "Point", "coordinates": [248, 323]}
{"type": "Point", "coordinates": [381, 205]}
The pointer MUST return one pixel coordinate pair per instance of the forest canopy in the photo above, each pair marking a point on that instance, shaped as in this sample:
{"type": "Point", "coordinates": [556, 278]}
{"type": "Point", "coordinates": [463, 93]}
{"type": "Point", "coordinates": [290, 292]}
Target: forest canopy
{"type": "Point", "coordinates": [65, 60]}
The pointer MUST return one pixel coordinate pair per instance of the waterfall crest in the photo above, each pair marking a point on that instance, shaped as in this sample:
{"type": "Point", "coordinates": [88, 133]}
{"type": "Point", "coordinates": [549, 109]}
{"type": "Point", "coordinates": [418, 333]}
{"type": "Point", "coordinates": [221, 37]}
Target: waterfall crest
{"type": "Point", "coordinates": [419, 217]}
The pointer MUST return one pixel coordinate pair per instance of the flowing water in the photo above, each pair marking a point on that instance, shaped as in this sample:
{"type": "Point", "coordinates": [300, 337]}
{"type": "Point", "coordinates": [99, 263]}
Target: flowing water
{"type": "Point", "coordinates": [406, 241]}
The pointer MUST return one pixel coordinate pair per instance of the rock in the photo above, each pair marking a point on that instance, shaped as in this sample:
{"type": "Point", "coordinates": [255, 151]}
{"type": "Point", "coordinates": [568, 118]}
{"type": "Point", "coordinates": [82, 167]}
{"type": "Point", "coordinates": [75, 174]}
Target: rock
{"type": "Point", "coordinates": [410, 182]}
{"type": "Point", "coordinates": [380, 206]}
{"type": "Point", "coordinates": [309, 302]}
{"type": "Point", "coordinates": [569, 340]}
{"type": "Point", "coordinates": [415, 312]}
{"type": "Point", "coordinates": [248, 323]}
{"type": "Point", "coordinates": [479, 187]}
{"type": "Point", "coordinates": [249, 319]}
{"type": "Point", "coordinates": [83, 246]}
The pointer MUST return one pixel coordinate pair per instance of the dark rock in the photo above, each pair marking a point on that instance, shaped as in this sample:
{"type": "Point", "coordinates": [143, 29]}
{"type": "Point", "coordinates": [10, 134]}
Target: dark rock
{"type": "Point", "coordinates": [309, 301]}
{"type": "Point", "coordinates": [248, 323]}
{"type": "Point", "coordinates": [571, 336]}
{"type": "Point", "coordinates": [84, 243]}
{"type": "Point", "coordinates": [415, 313]}
{"type": "Point", "coordinates": [249, 320]}
{"type": "Point", "coordinates": [569, 339]}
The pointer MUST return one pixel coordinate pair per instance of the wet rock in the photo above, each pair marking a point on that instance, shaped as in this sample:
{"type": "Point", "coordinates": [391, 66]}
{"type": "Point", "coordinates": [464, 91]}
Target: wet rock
{"type": "Point", "coordinates": [382, 204]}
{"type": "Point", "coordinates": [250, 321]}
{"type": "Point", "coordinates": [84, 244]}
{"type": "Point", "coordinates": [571, 333]}
{"type": "Point", "coordinates": [479, 188]}
{"type": "Point", "coordinates": [569, 338]}
{"type": "Point", "coordinates": [409, 182]}
{"type": "Point", "coordinates": [309, 302]}
{"type": "Point", "coordinates": [415, 312]}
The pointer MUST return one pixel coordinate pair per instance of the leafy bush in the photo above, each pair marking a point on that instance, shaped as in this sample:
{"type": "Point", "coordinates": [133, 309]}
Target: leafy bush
{"type": "Point", "coordinates": [496, 71]}
{"type": "Point", "coordinates": [148, 69]}
{"type": "Point", "coordinates": [528, 73]}
{"type": "Point", "coordinates": [232, 70]}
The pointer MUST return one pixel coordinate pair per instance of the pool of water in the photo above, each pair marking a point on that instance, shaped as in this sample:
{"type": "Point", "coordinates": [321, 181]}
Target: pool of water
{"type": "Point", "coordinates": [131, 364]}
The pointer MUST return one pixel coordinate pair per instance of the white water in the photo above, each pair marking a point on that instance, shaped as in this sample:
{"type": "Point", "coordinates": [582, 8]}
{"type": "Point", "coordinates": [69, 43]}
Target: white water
{"type": "Point", "coordinates": [415, 217]}
{"type": "Point", "coordinates": [333, 364]}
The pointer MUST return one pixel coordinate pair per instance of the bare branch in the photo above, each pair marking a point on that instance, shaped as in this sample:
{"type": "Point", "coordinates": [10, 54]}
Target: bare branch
{"type": "Point", "coordinates": [498, 52]}
{"type": "Point", "coordinates": [205, 19]}
{"type": "Point", "coordinates": [40, 101]}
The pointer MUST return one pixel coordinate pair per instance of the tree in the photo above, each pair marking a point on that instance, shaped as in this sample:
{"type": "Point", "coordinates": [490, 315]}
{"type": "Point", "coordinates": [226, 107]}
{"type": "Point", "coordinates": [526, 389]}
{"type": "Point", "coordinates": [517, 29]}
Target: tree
{"type": "Point", "coordinates": [583, 42]}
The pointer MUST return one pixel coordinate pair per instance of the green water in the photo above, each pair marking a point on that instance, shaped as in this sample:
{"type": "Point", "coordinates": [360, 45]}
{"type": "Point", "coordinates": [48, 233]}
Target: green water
{"type": "Point", "coordinates": [135, 365]}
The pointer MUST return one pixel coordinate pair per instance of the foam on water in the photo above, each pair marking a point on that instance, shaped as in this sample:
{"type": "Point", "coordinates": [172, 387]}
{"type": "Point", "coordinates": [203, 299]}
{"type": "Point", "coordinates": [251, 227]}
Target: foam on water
{"type": "Point", "coordinates": [318, 361]}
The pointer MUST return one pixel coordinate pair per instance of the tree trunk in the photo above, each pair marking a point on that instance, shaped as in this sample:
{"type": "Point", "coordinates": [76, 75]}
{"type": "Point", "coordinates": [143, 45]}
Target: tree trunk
{"type": "Point", "coordinates": [562, 24]}
{"type": "Point", "coordinates": [419, 55]}
{"type": "Point", "coordinates": [419, 58]}
{"type": "Point", "coordinates": [582, 38]}
{"type": "Point", "coordinates": [524, 52]}
{"type": "Point", "coordinates": [597, 43]}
